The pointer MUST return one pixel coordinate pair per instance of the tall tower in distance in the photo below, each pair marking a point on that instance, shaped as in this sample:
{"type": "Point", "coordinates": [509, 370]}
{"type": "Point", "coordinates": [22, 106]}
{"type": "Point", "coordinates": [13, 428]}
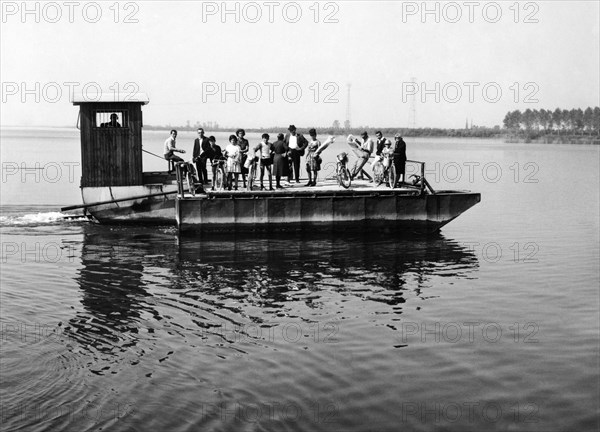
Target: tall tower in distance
{"type": "Point", "coordinates": [412, 115]}
{"type": "Point", "coordinates": [347, 122]}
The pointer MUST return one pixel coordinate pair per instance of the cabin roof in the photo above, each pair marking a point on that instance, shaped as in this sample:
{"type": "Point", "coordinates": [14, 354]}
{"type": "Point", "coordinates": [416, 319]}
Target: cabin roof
{"type": "Point", "coordinates": [110, 97]}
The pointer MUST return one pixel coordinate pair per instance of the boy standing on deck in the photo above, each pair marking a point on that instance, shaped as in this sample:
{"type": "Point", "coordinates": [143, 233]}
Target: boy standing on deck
{"type": "Point", "coordinates": [263, 151]}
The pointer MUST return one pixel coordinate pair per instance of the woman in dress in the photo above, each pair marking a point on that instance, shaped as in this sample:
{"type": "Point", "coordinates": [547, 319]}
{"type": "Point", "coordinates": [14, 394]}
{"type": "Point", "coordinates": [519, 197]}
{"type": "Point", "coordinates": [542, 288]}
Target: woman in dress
{"type": "Point", "coordinates": [234, 158]}
{"type": "Point", "coordinates": [280, 149]}
{"type": "Point", "coordinates": [313, 164]}
{"type": "Point", "coordinates": [244, 146]}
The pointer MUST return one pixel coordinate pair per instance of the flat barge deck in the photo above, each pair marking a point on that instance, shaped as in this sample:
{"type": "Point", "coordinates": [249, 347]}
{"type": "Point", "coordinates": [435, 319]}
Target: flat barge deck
{"type": "Point", "coordinates": [324, 206]}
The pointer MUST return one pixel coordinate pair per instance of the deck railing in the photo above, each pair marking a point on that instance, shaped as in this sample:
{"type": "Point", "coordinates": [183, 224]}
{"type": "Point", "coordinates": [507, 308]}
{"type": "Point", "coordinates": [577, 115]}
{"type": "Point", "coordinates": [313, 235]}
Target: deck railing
{"type": "Point", "coordinates": [423, 183]}
{"type": "Point", "coordinates": [180, 178]}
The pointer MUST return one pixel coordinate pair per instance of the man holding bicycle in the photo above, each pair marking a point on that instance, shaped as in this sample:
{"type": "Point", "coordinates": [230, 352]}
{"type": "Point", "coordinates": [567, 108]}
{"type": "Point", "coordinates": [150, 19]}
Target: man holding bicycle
{"type": "Point", "coordinates": [215, 154]}
{"type": "Point", "coordinates": [200, 156]}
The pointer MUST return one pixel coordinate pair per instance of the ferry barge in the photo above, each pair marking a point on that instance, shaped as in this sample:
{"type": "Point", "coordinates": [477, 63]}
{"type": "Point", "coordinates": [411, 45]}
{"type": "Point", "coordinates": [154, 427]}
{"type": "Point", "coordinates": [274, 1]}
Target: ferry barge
{"type": "Point", "coordinates": [115, 189]}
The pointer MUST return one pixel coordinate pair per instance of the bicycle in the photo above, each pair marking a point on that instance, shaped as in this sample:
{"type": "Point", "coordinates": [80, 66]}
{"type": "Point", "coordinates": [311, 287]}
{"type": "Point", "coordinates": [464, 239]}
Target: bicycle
{"type": "Point", "coordinates": [341, 170]}
{"type": "Point", "coordinates": [219, 182]}
{"type": "Point", "coordinates": [384, 170]}
{"type": "Point", "coordinates": [378, 171]}
{"type": "Point", "coordinates": [188, 173]}
{"type": "Point", "coordinates": [252, 170]}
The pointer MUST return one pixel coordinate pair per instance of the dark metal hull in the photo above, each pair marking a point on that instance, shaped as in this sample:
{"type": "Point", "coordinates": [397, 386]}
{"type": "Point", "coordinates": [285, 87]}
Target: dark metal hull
{"type": "Point", "coordinates": [154, 210]}
{"type": "Point", "coordinates": [253, 211]}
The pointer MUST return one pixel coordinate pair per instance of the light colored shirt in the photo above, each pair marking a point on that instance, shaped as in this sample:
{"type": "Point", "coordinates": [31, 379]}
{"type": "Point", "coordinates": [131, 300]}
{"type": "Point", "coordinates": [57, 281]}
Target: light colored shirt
{"type": "Point", "coordinates": [293, 141]}
{"type": "Point", "coordinates": [368, 145]}
{"type": "Point", "coordinates": [265, 150]}
{"type": "Point", "coordinates": [233, 152]}
{"type": "Point", "coordinates": [169, 145]}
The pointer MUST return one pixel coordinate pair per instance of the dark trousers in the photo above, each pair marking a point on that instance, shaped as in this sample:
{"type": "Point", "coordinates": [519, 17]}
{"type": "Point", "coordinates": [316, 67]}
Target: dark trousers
{"type": "Point", "coordinates": [201, 168]}
{"type": "Point", "coordinates": [295, 164]}
{"type": "Point", "coordinates": [358, 168]}
{"type": "Point", "coordinates": [173, 159]}
{"type": "Point", "coordinates": [400, 165]}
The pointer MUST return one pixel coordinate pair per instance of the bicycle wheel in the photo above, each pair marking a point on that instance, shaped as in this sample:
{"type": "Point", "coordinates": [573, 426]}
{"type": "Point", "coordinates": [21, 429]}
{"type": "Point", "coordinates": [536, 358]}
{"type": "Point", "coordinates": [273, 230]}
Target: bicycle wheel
{"type": "Point", "coordinates": [378, 173]}
{"type": "Point", "coordinates": [344, 178]}
{"type": "Point", "coordinates": [392, 176]}
{"type": "Point", "coordinates": [251, 176]}
{"type": "Point", "coordinates": [219, 181]}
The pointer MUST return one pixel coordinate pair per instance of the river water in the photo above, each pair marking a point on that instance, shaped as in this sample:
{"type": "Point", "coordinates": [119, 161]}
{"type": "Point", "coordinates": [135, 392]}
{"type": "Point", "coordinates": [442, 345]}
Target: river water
{"type": "Point", "coordinates": [491, 325]}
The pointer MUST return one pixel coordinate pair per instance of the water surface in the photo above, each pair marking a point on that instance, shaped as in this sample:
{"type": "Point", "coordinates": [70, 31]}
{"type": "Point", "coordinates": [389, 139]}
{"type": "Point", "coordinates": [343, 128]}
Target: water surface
{"type": "Point", "coordinates": [491, 325]}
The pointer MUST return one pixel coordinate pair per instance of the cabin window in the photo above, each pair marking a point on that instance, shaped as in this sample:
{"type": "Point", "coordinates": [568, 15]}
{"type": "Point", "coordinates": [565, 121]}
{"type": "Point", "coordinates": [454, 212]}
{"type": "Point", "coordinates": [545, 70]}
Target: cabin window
{"type": "Point", "coordinates": [111, 119]}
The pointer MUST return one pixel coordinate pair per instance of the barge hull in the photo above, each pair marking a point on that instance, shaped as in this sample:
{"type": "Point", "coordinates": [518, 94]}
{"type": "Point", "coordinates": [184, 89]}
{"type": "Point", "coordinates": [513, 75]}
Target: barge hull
{"type": "Point", "coordinates": [252, 212]}
{"type": "Point", "coordinates": [155, 210]}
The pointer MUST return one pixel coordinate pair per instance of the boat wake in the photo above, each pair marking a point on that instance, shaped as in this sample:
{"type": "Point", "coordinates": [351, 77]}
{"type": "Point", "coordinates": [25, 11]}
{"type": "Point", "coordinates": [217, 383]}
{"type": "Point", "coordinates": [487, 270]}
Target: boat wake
{"type": "Point", "coordinates": [42, 218]}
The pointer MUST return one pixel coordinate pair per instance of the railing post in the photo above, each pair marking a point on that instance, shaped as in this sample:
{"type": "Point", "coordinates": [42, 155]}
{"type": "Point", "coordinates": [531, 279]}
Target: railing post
{"type": "Point", "coordinates": [179, 179]}
{"type": "Point", "coordinates": [422, 177]}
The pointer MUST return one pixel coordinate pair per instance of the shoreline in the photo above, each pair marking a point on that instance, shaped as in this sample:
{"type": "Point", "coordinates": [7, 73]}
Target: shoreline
{"type": "Point", "coordinates": [480, 134]}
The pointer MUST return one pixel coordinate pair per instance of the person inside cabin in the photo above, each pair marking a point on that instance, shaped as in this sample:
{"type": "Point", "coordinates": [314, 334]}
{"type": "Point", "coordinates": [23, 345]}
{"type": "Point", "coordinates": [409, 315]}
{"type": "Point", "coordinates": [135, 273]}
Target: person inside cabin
{"type": "Point", "coordinates": [280, 162]}
{"type": "Point", "coordinates": [200, 155]}
{"type": "Point", "coordinates": [113, 123]}
{"type": "Point", "coordinates": [366, 148]}
{"type": "Point", "coordinates": [171, 149]}
{"type": "Point", "coordinates": [399, 158]}
{"type": "Point", "coordinates": [234, 162]}
{"type": "Point", "coordinates": [264, 151]}
{"type": "Point", "coordinates": [244, 146]}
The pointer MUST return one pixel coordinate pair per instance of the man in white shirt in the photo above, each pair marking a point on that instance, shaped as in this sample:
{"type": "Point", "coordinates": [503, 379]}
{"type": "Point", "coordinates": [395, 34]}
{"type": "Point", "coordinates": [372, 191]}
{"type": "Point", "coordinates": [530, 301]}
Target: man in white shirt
{"type": "Point", "coordinates": [170, 148]}
{"type": "Point", "coordinates": [296, 143]}
{"type": "Point", "coordinates": [366, 147]}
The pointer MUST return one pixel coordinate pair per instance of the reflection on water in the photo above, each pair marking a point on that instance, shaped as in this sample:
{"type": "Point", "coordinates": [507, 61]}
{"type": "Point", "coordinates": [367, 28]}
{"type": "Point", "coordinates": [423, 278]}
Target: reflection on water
{"type": "Point", "coordinates": [131, 329]}
{"type": "Point", "coordinates": [158, 310]}
{"type": "Point", "coordinates": [372, 267]}
{"type": "Point", "coordinates": [121, 266]}
{"type": "Point", "coordinates": [264, 272]}
{"type": "Point", "coordinates": [112, 292]}
{"type": "Point", "coordinates": [156, 332]}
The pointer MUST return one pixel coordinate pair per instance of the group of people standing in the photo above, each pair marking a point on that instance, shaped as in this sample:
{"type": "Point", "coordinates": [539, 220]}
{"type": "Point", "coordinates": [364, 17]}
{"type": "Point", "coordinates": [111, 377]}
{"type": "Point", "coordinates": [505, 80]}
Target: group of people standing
{"type": "Point", "coordinates": [281, 158]}
{"type": "Point", "coordinates": [382, 147]}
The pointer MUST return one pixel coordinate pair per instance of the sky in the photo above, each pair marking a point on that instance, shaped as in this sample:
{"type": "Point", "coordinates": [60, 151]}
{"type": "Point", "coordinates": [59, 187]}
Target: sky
{"type": "Point", "coordinates": [261, 64]}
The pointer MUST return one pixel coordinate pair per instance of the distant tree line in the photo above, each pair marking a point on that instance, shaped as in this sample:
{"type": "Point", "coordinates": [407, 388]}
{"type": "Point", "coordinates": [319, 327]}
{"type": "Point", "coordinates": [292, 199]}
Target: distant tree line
{"type": "Point", "coordinates": [566, 126]}
{"type": "Point", "coordinates": [562, 122]}
{"type": "Point", "coordinates": [474, 132]}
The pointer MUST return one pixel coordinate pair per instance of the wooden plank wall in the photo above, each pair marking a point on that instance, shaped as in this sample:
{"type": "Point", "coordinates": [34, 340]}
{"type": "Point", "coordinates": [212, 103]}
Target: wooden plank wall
{"type": "Point", "coordinates": [111, 156]}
